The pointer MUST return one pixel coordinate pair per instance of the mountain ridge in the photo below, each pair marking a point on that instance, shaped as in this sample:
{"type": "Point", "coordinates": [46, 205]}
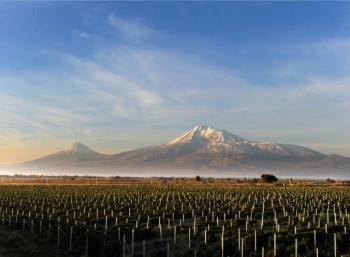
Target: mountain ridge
{"type": "Point", "coordinates": [202, 148]}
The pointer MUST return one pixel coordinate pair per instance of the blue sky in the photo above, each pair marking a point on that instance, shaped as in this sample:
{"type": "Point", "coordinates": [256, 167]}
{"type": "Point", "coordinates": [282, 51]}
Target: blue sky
{"type": "Point", "coordinates": [118, 76]}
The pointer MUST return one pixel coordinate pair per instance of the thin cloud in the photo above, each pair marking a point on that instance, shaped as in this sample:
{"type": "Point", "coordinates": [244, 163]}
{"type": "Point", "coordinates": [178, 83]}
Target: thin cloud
{"type": "Point", "coordinates": [187, 90]}
{"type": "Point", "coordinates": [132, 29]}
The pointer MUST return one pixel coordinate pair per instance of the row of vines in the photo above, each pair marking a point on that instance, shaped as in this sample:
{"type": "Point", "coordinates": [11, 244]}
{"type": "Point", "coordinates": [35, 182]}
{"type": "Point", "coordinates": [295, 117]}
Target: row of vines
{"type": "Point", "coordinates": [174, 220]}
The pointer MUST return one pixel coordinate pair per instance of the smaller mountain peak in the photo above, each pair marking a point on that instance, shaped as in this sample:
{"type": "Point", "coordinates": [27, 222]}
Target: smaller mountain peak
{"type": "Point", "coordinates": [77, 144]}
{"type": "Point", "coordinates": [78, 147]}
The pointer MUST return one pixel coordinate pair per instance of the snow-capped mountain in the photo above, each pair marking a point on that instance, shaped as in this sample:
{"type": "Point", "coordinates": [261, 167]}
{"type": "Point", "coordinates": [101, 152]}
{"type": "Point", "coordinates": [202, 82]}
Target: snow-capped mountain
{"type": "Point", "coordinates": [199, 150]}
{"type": "Point", "coordinates": [205, 147]}
{"type": "Point", "coordinates": [209, 139]}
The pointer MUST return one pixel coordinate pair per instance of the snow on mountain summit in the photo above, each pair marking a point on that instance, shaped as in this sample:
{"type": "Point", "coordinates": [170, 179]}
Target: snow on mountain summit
{"type": "Point", "coordinates": [210, 139]}
{"type": "Point", "coordinates": [206, 134]}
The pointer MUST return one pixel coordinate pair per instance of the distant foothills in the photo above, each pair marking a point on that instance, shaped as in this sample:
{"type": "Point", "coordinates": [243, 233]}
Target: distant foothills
{"type": "Point", "coordinates": [203, 150]}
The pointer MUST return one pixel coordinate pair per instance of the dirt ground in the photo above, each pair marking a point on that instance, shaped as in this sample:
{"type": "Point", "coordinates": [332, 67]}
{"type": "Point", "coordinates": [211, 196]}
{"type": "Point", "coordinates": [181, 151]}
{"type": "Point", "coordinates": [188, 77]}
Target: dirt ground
{"type": "Point", "coordinates": [16, 243]}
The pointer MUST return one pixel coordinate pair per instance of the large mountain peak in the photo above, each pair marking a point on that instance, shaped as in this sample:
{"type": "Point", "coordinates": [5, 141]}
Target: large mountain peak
{"type": "Point", "coordinates": [212, 140]}
{"type": "Point", "coordinates": [206, 134]}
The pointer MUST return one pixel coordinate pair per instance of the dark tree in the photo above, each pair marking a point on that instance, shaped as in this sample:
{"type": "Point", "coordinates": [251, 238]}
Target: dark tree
{"type": "Point", "coordinates": [268, 178]}
{"type": "Point", "coordinates": [329, 180]}
{"type": "Point", "coordinates": [198, 178]}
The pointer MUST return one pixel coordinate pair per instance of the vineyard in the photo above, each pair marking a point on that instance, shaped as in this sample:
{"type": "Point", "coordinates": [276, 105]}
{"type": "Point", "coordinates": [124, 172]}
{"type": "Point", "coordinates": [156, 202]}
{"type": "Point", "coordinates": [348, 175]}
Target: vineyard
{"type": "Point", "coordinates": [180, 220]}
